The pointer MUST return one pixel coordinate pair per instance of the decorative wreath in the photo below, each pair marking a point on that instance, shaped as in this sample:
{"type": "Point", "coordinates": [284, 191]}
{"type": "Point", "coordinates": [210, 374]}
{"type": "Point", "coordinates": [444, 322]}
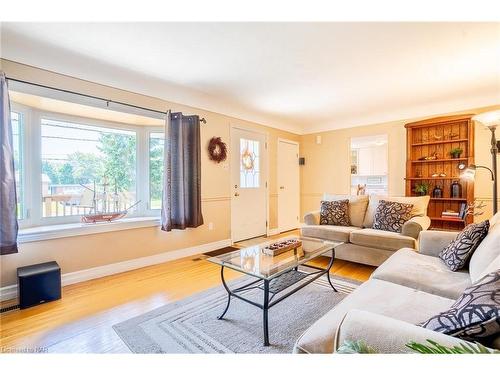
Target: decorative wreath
{"type": "Point", "coordinates": [217, 150]}
{"type": "Point", "coordinates": [247, 160]}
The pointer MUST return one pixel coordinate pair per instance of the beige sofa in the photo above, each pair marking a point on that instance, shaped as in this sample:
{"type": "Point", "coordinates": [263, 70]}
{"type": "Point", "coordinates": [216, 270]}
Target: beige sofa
{"type": "Point", "coordinates": [362, 244]}
{"type": "Point", "coordinates": [407, 289]}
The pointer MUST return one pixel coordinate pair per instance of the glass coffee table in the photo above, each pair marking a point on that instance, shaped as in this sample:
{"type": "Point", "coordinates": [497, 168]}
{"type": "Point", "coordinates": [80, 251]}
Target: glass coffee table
{"type": "Point", "coordinates": [277, 276]}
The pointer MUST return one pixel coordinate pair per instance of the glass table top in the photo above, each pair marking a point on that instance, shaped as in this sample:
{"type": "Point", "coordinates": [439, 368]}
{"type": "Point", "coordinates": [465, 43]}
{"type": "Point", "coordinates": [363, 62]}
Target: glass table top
{"type": "Point", "coordinates": [252, 261]}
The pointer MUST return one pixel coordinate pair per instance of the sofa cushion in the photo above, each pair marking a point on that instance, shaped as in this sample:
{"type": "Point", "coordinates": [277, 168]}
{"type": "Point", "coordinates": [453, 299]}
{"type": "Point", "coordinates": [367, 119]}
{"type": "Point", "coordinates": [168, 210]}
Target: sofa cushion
{"type": "Point", "coordinates": [422, 272]}
{"type": "Point", "coordinates": [357, 206]}
{"type": "Point", "coordinates": [458, 251]}
{"type": "Point", "coordinates": [381, 239]}
{"type": "Point", "coordinates": [391, 216]}
{"type": "Point", "coordinates": [485, 254]}
{"type": "Point", "coordinates": [419, 206]}
{"type": "Point", "coordinates": [335, 213]}
{"type": "Point", "coordinates": [376, 296]}
{"type": "Point", "coordinates": [328, 232]}
{"type": "Point", "coordinates": [476, 313]}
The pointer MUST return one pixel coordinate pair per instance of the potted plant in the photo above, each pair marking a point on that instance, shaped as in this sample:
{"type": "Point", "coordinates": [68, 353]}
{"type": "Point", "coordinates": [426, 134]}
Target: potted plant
{"type": "Point", "coordinates": [422, 188]}
{"type": "Point", "coordinates": [456, 152]}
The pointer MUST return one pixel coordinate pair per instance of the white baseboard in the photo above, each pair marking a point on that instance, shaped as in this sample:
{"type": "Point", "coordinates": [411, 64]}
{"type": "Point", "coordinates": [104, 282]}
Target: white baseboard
{"type": "Point", "coordinates": [273, 232]}
{"type": "Point", "coordinates": [10, 291]}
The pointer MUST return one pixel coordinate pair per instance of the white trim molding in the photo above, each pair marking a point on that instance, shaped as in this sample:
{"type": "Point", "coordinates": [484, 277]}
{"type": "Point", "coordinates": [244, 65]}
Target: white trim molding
{"type": "Point", "coordinates": [273, 231]}
{"type": "Point", "coordinates": [10, 291]}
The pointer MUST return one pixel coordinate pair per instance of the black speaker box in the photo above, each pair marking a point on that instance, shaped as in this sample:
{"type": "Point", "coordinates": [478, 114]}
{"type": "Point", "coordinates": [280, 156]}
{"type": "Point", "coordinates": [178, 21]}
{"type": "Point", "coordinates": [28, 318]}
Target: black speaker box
{"type": "Point", "coordinates": [38, 283]}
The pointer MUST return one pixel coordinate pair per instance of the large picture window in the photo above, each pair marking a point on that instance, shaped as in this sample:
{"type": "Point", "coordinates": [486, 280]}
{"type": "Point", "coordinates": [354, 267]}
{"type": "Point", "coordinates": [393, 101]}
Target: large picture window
{"type": "Point", "coordinates": [60, 160]}
{"type": "Point", "coordinates": [77, 159]}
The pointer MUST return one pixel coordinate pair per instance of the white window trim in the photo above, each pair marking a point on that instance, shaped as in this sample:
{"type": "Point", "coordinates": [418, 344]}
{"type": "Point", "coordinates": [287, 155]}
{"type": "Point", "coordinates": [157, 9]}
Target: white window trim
{"type": "Point", "coordinates": [31, 169]}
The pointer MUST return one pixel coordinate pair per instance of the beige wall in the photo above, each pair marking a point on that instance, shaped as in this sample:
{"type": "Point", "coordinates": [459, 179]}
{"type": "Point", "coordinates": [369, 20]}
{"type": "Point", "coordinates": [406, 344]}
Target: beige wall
{"type": "Point", "coordinates": [327, 167]}
{"type": "Point", "coordinates": [82, 252]}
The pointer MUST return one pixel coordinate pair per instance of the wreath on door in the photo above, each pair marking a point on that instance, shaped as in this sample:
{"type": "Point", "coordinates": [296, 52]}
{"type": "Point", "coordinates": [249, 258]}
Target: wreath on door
{"type": "Point", "coordinates": [217, 150]}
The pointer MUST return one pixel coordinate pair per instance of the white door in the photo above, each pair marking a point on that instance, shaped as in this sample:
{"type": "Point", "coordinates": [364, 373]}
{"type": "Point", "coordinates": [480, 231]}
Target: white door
{"type": "Point", "coordinates": [248, 184]}
{"type": "Point", "coordinates": [288, 185]}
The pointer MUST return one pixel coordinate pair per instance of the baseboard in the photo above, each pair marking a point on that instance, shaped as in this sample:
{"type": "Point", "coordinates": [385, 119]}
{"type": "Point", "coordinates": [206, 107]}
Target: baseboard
{"type": "Point", "coordinates": [273, 232]}
{"type": "Point", "coordinates": [10, 291]}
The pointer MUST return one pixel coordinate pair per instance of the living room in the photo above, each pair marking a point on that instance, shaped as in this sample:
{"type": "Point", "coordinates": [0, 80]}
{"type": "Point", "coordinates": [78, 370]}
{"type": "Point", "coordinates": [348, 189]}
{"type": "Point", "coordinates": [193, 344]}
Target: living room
{"type": "Point", "coordinates": [236, 187]}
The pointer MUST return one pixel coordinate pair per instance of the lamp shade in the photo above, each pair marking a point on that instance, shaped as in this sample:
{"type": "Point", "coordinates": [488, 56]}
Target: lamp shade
{"type": "Point", "coordinates": [468, 172]}
{"type": "Point", "coordinates": [489, 119]}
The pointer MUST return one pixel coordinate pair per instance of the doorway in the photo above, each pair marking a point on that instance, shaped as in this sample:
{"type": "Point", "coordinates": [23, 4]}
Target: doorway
{"type": "Point", "coordinates": [249, 206]}
{"type": "Point", "coordinates": [288, 185]}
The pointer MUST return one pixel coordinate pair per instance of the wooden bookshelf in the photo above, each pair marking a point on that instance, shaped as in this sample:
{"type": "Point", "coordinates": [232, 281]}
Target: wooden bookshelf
{"type": "Point", "coordinates": [440, 135]}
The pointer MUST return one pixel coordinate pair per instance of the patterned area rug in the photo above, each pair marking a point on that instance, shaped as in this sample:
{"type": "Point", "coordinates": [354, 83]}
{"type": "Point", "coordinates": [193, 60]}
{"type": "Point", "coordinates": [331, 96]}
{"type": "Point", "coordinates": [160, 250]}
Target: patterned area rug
{"type": "Point", "coordinates": [191, 325]}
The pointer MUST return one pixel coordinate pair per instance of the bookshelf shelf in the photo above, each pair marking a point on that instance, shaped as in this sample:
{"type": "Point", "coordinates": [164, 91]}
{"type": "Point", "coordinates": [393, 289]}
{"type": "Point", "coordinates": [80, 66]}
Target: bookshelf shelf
{"type": "Point", "coordinates": [438, 160]}
{"type": "Point", "coordinates": [441, 142]}
{"type": "Point", "coordinates": [437, 131]}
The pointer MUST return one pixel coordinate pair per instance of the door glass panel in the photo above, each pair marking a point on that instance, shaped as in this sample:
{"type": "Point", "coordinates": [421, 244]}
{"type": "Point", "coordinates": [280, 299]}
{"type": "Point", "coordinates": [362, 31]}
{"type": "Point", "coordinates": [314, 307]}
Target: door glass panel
{"type": "Point", "coordinates": [249, 163]}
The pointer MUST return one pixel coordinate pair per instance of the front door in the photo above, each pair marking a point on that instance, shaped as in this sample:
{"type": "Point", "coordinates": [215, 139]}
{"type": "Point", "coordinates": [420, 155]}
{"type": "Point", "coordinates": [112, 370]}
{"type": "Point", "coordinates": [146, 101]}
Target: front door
{"type": "Point", "coordinates": [248, 184]}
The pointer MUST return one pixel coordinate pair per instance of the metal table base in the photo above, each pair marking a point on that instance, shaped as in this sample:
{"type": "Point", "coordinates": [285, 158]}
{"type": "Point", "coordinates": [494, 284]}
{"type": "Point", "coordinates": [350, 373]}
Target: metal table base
{"type": "Point", "coordinates": [273, 287]}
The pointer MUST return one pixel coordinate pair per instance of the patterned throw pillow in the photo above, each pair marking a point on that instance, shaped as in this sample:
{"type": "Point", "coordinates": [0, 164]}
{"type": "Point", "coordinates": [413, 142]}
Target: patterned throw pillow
{"type": "Point", "coordinates": [458, 252]}
{"type": "Point", "coordinates": [335, 213]}
{"type": "Point", "coordinates": [391, 216]}
{"type": "Point", "coordinates": [475, 314]}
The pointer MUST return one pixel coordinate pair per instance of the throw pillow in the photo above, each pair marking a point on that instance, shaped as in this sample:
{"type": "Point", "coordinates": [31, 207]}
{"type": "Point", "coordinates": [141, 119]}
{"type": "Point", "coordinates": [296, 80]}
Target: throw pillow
{"type": "Point", "coordinates": [335, 213]}
{"type": "Point", "coordinates": [458, 252]}
{"type": "Point", "coordinates": [476, 313]}
{"type": "Point", "coordinates": [391, 216]}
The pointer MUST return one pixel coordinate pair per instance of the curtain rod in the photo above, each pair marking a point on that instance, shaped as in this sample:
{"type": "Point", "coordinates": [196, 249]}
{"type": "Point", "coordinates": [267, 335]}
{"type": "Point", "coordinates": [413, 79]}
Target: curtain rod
{"type": "Point", "coordinates": [93, 97]}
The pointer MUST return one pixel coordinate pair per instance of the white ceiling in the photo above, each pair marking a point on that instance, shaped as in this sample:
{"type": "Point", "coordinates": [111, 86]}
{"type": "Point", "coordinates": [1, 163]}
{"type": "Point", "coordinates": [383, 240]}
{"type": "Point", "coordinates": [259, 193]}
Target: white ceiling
{"type": "Point", "coordinates": [303, 77]}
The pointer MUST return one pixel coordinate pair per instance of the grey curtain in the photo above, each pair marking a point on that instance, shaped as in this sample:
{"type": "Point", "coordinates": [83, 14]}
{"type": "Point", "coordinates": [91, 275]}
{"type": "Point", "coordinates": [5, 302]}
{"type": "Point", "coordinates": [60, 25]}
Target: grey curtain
{"type": "Point", "coordinates": [181, 200]}
{"type": "Point", "coordinates": [8, 196]}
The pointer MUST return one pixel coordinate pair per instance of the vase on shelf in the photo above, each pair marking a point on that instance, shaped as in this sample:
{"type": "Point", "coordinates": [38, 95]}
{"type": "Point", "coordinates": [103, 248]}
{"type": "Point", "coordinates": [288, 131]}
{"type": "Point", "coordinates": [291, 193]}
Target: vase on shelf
{"type": "Point", "coordinates": [455, 190]}
{"type": "Point", "coordinates": [437, 192]}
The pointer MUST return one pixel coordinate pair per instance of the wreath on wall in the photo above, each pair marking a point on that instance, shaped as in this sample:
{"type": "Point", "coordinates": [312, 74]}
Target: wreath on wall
{"type": "Point", "coordinates": [217, 150]}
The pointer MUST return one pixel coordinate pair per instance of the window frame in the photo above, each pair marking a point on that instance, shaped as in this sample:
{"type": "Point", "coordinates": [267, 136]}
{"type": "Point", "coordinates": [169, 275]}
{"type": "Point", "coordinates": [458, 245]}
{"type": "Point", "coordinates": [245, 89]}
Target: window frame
{"type": "Point", "coordinates": [32, 163]}
{"type": "Point", "coordinates": [149, 131]}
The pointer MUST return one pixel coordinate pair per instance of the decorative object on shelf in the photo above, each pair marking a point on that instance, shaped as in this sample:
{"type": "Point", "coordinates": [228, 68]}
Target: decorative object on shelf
{"type": "Point", "coordinates": [437, 192]}
{"type": "Point", "coordinates": [455, 190]}
{"type": "Point", "coordinates": [217, 150]}
{"type": "Point", "coordinates": [281, 247]}
{"type": "Point", "coordinates": [456, 152]}
{"type": "Point", "coordinates": [451, 136]}
{"type": "Point", "coordinates": [437, 137]}
{"type": "Point", "coordinates": [422, 188]}
{"type": "Point", "coordinates": [491, 120]}
{"type": "Point", "coordinates": [418, 173]}
{"type": "Point", "coordinates": [247, 160]}
{"type": "Point", "coordinates": [433, 156]}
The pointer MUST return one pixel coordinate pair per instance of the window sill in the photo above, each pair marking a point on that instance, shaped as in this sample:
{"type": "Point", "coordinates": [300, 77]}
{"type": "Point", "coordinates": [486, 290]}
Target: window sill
{"type": "Point", "coordinates": [50, 232]}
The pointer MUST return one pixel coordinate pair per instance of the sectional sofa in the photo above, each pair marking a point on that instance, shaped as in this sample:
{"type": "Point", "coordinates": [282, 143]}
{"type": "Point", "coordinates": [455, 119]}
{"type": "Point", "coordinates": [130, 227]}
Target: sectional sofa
{"type": "Point", "coordinates": [407, 289]}
{"type": "Point", "coordinates": [362, 244]}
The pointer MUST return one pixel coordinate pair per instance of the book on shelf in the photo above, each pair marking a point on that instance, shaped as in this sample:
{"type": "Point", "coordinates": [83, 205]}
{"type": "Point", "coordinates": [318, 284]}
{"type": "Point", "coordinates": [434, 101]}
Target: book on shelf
{"type": "Point", "coordinates": [450, 214]}
{"type": "Point", "coordinates": [463, 210]}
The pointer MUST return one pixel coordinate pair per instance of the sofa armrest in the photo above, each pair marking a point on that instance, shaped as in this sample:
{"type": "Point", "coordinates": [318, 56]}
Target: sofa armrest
{"type": "Point", "coordinates": [312, 218]}
{"type": "Point", "coordinates": [415, 225]}
{"type": "Point", "coordinates": [386, 335]}
{"type": "Point", "coordinates": [431, 242]}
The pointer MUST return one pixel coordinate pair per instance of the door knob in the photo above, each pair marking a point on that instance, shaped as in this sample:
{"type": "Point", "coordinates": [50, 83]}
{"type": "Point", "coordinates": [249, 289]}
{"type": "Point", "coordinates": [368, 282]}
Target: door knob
{"type": "Point", "coordinates": [236, 194]}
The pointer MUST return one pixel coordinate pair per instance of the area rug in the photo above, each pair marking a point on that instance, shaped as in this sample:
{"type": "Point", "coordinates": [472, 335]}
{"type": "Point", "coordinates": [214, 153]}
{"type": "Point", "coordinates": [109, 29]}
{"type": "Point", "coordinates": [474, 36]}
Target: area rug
{"type": "Point", "coordinates": [191, 325]}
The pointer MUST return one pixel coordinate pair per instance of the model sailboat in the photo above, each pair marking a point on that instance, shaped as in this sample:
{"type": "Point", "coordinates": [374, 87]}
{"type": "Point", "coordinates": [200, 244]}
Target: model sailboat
{"type": "Point", "coordinates": [106, 214]}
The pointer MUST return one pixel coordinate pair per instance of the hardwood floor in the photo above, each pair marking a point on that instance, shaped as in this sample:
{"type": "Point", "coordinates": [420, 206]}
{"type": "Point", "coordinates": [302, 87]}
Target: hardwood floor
{"type": "Point", "coordinates": [81, 322]}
